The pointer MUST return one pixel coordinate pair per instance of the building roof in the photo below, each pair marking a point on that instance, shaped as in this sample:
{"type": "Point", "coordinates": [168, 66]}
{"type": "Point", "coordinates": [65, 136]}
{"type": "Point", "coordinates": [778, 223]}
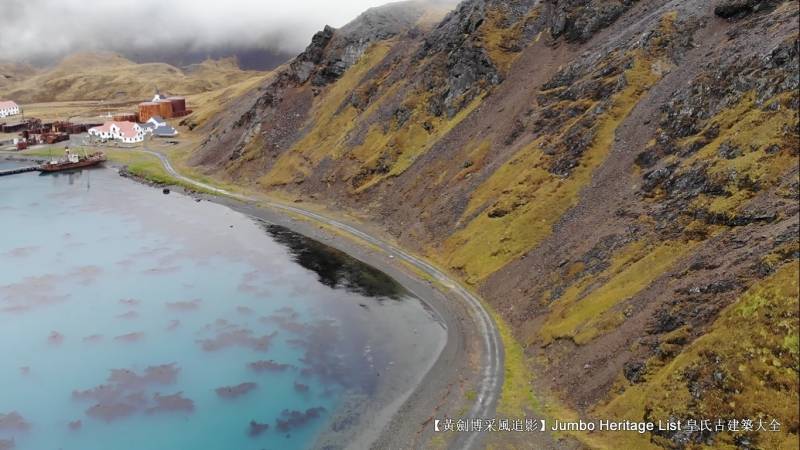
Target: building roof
{"type": "Point", "coordinates": [126, 129]}
{"type": "Point", "coordinates": [4, 104]}
{"type": "Point", "coordinates": [158, 119]}
{"type": "Point", "coordinates": [165, 130]}
{"type": "Point", "coordinates": [104, 128]}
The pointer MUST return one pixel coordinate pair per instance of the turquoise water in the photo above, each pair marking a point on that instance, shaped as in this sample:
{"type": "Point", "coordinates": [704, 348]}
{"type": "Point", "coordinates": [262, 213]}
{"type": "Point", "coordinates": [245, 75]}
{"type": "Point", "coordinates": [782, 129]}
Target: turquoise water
{"type": "Point", "coordinates": [130, 319]}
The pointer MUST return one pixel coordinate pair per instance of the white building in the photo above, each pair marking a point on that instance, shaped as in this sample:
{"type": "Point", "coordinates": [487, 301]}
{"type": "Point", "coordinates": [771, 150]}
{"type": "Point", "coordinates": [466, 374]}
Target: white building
{"type": "Point", "coordinates": [8, 108]}
{"type": "Point", "coordinates": [157, 121]}
{"type": "Point", "coordinates": [159, 127]}
{"type": "Point", "coordinates": [158, 97]}
{"type": "Point", "coordinates": [126, 132]}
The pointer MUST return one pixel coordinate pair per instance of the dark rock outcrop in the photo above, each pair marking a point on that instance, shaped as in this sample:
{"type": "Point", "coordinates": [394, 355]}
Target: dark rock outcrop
{"type": "Point", "coordinates": [739, 8]}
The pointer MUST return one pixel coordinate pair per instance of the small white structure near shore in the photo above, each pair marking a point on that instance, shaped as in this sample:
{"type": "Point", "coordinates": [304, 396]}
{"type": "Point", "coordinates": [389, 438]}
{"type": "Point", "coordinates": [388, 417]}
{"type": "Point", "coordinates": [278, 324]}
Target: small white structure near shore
{"type": "Point", "coordinates": [126, 132]}
{"type": "Point", "coordinates": [159, 127]}
{"type": "Point", "coordinates": [8, 108]}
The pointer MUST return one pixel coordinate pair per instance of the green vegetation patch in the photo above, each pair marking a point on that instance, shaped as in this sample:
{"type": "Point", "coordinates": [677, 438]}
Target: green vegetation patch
{"type": "Point", "coordinates": [522, 200]}
{"type": "Point", "coordinates": [746, 366]}
{"type": "Point", "coordinates": [584, 310]}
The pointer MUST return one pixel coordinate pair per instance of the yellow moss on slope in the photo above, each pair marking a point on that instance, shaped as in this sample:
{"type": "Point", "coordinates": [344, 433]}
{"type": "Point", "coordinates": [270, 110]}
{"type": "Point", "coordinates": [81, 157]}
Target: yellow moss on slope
{"type": "Point", "coordinates": [535, 198]}
{"type": "Point", "coordinates": [330, 126]}
{"type": "Point", "coordinates": [387, 150]}
{"type": "Point", "coordinates": [746, 129]}
{"type": "Point", "coordinates": [724, 374]}
{"type": "Point", "coordinates": [400, 148]}
{"type": "Point", "coordinates": [582, 312]}
{"type": "Point", "coordinates": [498, 41]}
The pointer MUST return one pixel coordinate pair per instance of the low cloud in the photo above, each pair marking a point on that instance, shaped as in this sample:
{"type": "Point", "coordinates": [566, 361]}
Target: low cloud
{"type": "Point", "coordinates": [42, 30]}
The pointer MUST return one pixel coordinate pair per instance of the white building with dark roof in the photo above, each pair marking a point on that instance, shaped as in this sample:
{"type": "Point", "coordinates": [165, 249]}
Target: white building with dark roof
{"type": "Point", "coordinates": [159, 127]}
{"type": "Point", "coordinates": [165, 131]}
{"type": "Point", "coordinates": [157, 121]}
{"type": "Point", "coordinates": [158, 97]}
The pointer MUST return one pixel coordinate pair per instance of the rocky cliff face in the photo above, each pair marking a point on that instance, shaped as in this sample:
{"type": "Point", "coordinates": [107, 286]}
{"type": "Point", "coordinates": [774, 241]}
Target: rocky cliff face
{"type": "Point", "coordinates": [619, 179]}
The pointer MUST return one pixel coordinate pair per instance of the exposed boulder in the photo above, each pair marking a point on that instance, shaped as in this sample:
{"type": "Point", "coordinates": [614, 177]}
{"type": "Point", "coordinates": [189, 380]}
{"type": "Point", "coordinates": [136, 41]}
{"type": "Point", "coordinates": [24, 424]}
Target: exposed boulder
{"type": "Point", "coordinates": [578, 20]}
{"type": "Point", "coordinates": [739, 8]}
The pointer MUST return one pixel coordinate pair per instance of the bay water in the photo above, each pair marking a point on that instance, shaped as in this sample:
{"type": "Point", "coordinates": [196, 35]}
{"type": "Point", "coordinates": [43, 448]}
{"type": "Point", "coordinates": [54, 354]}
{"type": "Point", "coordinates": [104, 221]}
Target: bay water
{"type": "Point", "coordinates": [130, 319]}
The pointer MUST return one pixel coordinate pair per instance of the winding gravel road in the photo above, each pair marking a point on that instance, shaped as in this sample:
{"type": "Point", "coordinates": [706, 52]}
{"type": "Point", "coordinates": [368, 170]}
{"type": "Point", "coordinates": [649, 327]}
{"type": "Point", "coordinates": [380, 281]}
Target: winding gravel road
{"type": "Point", "coordinates": [492, 355]}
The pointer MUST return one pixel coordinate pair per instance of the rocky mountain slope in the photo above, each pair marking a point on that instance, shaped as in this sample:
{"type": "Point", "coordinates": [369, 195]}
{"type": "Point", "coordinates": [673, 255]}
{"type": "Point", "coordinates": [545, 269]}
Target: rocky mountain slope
{"type": "Point", "coordinates": [618, 179]}
{"type": "Point", "coordinates": [111, 77]}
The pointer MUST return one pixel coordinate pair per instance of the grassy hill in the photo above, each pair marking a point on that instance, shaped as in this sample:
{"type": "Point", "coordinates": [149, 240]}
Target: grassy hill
{"type": "Point", "coordinates": [110, 77]}
{"type": "Point", "coordinates": [11, 73]}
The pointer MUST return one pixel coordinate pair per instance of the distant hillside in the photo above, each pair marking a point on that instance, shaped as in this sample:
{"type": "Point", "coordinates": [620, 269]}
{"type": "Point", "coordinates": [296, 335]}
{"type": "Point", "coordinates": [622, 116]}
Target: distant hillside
{"type": "Point", "coordinates": [13, 73]}
{"type": "Point", "coordinates": [109, 76]}
{"type": "Point", "coordinates": [255, 58]}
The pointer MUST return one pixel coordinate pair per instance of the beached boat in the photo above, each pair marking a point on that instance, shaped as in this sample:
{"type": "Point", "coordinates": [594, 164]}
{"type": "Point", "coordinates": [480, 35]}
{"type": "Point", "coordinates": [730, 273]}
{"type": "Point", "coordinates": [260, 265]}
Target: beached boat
{"type": "Point", "coordinates": [72, 161]}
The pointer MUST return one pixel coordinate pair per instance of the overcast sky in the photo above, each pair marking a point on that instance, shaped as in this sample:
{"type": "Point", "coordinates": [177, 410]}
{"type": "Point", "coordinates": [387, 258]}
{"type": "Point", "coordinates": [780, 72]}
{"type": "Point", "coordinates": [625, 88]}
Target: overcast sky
{"type": "Point", "coordinates": [36, 30]}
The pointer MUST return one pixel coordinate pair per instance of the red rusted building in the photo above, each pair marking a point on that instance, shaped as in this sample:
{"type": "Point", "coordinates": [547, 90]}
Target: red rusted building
{"type": "Point", "coordinates": [178, 106]}
{"type": "Point", "coordinates": [165, 108]}
{"type": "Point", "coordinates": [148, 110]}
{"type": "Point", "coordinates": [126, 117]}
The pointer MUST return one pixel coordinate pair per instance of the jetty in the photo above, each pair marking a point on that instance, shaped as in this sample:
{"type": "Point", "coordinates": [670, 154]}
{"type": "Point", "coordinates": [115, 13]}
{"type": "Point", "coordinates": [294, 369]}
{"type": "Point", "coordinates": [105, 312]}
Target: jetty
{"type": "Point", "coordinates": [18, 170]}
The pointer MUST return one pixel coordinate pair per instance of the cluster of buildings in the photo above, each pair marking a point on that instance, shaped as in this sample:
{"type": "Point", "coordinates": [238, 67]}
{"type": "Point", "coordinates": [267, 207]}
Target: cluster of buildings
{"type": "Point", "coordinates": [150, 120]}
{"type": "Point", "coordinates": [33, 131]}
{"type": "Point", "coordinates": [162, 106]}
{"type": "Point", "coordinates": [8, 108]}
{"type": "Point", "coordinates": [127, 128]}
{"type": "Point", "coordinates": [129, 132]}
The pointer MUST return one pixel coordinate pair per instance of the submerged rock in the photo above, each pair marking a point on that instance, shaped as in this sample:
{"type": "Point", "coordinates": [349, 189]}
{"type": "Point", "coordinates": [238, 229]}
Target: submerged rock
{"type": "Point", "coordinates": [235, 391]}
{"type": "Point", "coordinates": [268, 366]}
{"type": "Point", "coordinates": [256, 428]}
{"type": "Point", "coordinates": [110, 412]}
{"type": "Point", "coordinates": [171, 403]}
{"type": "Point", "coordinates": [13, 421]}
{"type": "Point", "coordinates": [293, 418]}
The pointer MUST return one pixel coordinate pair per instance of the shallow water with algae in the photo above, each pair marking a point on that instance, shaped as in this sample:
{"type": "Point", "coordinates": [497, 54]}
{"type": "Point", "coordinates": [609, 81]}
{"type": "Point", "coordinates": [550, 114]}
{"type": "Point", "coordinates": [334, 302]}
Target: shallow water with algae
{"type": "Point", "coordinates": [130, 319]}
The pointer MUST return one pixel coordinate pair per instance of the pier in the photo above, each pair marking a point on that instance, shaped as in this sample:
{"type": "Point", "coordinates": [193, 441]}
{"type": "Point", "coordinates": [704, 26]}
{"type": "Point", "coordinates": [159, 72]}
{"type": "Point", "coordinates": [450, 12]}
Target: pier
{"type": "Point", "coordinates": [18, 170]}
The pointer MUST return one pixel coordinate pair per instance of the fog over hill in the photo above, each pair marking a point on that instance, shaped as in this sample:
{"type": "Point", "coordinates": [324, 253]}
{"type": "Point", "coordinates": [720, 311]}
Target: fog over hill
{"type": "Point", "coordinates": [262, 34]}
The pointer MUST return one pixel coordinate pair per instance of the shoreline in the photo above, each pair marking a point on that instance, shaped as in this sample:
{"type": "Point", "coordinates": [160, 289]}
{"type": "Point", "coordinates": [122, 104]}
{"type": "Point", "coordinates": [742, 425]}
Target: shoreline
{"type": "Point", "coordinates": [387, 424]}
{"type": "Point", "coordinates": [471, 355]}
{"type": "Point", "coordinates": [490, 362]}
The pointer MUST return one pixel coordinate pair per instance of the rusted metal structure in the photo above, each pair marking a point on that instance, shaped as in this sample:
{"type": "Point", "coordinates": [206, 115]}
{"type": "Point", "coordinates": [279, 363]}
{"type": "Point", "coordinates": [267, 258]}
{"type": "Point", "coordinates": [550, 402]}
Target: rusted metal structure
{"type": "Point", "coordinates": [52, 138]}
{"type": "Point", "coordinates": [178, 106]}
{"type": "Point", "coordinates": [126, 117]}
{"type": "Point", "coordinates": [73, 161]}
{"type": "Point", "coordinates": [14, 127]}
{"type": "Point", "coordinates": [36, 126]}
{"type": "Point", "coordinates": [70, 128]}
{"type": "Point", "coordinates": [165, 109]}
{"type": "Point", "coordinates": [148, 110]}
